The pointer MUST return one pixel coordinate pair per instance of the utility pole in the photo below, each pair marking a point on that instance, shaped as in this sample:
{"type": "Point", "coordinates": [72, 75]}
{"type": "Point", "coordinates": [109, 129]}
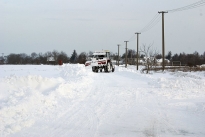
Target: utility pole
{"type": "Point", "coordinates": [137, 48]}
{"type": "Point", "coordinates": [126, 54]}
{"type": "Point", "coordinates": [163, 42]}
{"type": "Point", "coordinates": [118, 54]}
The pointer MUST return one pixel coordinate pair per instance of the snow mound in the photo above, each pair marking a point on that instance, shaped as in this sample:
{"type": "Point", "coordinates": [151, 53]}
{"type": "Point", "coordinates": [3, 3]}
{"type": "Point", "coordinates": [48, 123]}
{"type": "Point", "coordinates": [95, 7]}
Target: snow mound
{"type": "Point", "coordinates": [25, 98]}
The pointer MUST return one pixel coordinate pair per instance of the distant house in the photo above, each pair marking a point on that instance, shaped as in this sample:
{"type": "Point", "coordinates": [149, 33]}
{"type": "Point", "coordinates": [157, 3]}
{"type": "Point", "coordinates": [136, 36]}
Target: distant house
{"type": "Point", "coordinates": [51, 60]}
{"type": "Point", "coordinates": [3, 60]}
{"type": "Point", "coordinates": [146, 60]}
{"type": "Point", "coordinates": [153, 60]}
{"type": "Point", "coordinates": [159, 61]}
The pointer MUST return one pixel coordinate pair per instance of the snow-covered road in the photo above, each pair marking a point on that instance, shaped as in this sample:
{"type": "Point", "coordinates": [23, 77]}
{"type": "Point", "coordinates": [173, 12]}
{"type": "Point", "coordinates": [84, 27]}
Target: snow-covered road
{"type": "Point", "coordinates": [71, 100]}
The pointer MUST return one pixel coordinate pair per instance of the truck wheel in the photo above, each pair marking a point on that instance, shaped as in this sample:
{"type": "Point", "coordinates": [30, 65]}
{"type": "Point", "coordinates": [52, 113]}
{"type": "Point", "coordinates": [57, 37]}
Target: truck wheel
{"type": "Point", "coordinates": [96, 69]}
{"type": "Point", "coordinates": [108, 67]}
{"type": "Point", "coordinates": [93, 69]}
{"type": "Point", "coordinates": [113, 69]}
{"type": "Point", "coordinates": [105, 68]}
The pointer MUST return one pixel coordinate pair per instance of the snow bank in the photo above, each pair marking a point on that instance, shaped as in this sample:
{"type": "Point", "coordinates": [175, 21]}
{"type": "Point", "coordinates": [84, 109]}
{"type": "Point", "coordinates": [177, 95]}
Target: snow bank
{"type": "Point", "coordinates": [26, 96]}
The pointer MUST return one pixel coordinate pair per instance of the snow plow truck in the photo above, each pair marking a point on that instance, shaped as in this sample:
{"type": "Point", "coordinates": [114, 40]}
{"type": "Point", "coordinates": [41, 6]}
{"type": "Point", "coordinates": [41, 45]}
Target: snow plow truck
{"type": "Point", "coordinates": [101, 61]}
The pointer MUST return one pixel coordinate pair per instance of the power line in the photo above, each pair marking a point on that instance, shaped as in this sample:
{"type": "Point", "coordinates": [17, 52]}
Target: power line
{"type": "Point", "coordinates": [149, 26]}
{"type": "Point", "coordinates": [191, 6]}
{"type": "Point", "coordinates": [132, 38]}
{"type": "Point", "coordinates": [152, 23]}
{"type": "Point", "coordinates": [157, 18]}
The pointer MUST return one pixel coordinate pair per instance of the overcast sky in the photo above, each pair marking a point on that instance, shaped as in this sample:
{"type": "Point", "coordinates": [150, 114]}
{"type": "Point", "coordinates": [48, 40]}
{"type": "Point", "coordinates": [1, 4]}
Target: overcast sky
{"type": "Point", "coordinates": [28, 26]}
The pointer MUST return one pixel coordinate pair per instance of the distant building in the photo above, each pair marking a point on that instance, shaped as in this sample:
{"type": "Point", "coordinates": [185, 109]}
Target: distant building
{"type": "Point", "coordinates": [51, 60]}
{"type": "Point", "coordinates": [159, 61]}
{"type": "Point", "coordinates": [3, 59]}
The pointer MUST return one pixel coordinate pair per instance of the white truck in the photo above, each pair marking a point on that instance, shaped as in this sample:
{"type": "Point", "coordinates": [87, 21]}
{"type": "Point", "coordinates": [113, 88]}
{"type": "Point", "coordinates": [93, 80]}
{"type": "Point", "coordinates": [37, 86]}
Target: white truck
{"type": "Point", "coordinates": [101, 61]}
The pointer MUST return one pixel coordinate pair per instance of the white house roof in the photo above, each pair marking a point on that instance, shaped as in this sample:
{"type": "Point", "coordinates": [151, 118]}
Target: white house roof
{"type": "Point", "coordinates": [160, 60]}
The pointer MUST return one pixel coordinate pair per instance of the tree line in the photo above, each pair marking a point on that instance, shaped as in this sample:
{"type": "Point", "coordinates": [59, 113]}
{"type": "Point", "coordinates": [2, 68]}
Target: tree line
{"type": "Point", "coordinates": [182, 58]}
{"type": "Point", "coordinates": [189, 59]}
{"type": "Point", "coordinates": [42, 58]}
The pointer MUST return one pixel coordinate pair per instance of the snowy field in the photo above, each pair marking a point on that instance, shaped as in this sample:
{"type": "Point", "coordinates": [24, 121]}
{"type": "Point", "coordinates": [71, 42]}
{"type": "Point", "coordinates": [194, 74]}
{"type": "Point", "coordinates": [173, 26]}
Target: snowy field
{"type": "Point", "coordinates": [72, 101]}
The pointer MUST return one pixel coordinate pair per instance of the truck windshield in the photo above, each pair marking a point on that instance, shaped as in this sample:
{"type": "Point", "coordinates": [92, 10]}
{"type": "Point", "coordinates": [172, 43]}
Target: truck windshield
{"type": "Point", "coordinates": [99, 56]}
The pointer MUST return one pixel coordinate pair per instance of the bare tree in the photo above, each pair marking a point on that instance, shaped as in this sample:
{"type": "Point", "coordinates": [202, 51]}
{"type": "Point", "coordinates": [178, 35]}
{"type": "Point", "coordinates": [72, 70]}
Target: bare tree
{"type": "Point", "coordinates": [34, 57]}
{"type": "Point", "coordinates": [55, 54]}
{"type": "Point", "coordinates": [149, 56]}
{"type": "Point", "coordinates": [63, 57]}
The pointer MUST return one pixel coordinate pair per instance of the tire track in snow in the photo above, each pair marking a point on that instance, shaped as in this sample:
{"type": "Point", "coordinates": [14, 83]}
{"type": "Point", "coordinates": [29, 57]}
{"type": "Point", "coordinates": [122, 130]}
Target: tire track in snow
{"type": "Point", "coordinates": [157, 122]}
{"type": "Point", "coordinates": [115, 100]}
{"type": "Point", "coordinates": [161, 122]}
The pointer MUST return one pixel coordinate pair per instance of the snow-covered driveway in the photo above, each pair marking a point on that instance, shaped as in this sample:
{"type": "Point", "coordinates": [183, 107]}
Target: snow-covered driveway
{"type": "Point", "coordinates": [71, 100]}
